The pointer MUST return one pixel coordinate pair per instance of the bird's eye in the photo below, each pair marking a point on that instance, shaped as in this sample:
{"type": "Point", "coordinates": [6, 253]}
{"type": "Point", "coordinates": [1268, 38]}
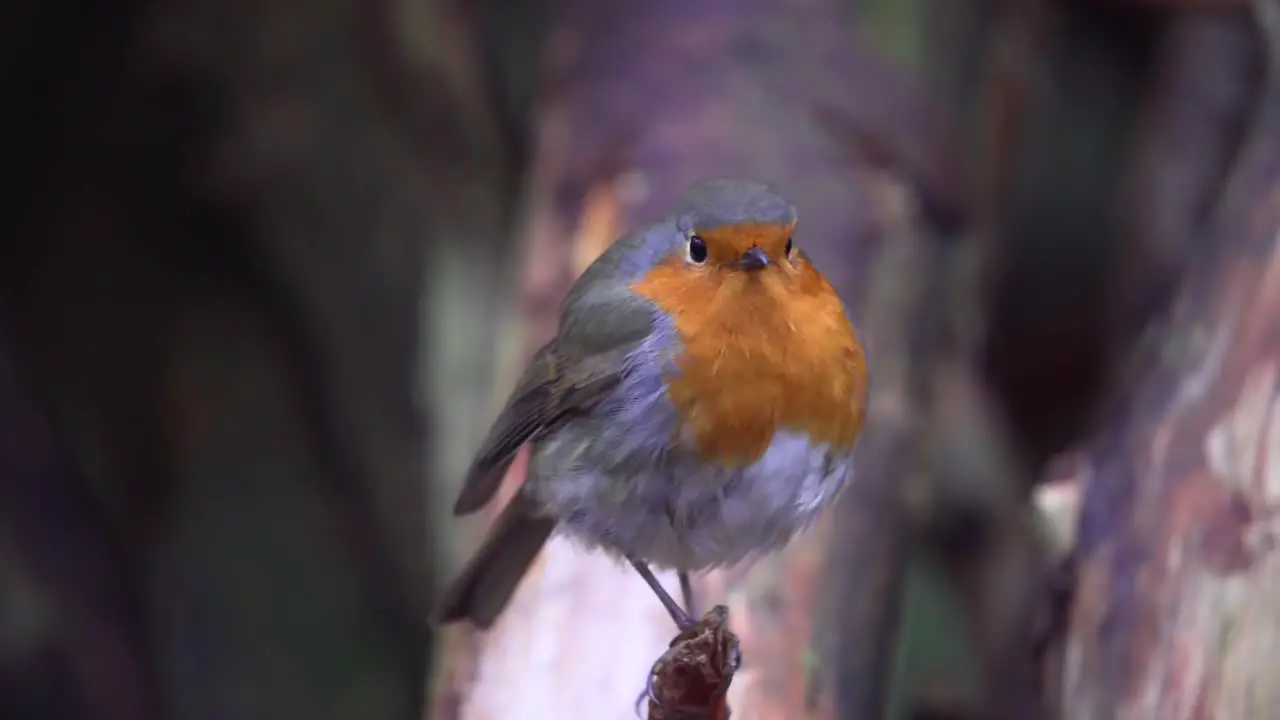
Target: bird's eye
{"type": "Point", "coordinates": [697, 250]}
{"type": "Point", "coordinates": [788, 250]}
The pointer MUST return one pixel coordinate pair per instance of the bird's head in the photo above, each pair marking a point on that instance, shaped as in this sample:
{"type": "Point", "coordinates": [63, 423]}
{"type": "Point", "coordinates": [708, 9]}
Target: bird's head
{"type": "Point", "coordinates": [732, 229]}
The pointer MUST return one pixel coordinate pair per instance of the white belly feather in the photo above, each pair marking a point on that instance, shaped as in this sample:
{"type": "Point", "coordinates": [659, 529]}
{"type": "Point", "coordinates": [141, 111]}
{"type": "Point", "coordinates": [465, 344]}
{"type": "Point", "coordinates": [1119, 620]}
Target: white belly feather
{"type": "Point", "coordinates": [681, 513]}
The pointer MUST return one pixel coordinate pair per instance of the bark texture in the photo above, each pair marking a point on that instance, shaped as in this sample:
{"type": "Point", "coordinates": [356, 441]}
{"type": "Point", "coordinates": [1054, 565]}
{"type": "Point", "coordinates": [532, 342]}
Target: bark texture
{"type": "Point", "coordinates": [1174, 615]}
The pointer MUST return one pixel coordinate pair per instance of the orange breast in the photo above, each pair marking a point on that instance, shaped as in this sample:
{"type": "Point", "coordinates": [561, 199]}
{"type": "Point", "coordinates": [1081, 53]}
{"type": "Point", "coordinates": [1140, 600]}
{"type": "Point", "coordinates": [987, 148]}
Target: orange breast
{"type": "Point", "coordinates": [762, 351]}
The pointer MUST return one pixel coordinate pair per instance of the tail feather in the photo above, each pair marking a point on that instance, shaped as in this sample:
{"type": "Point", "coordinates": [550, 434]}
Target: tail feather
{"type": "Point", "coordinates": [485, 586]}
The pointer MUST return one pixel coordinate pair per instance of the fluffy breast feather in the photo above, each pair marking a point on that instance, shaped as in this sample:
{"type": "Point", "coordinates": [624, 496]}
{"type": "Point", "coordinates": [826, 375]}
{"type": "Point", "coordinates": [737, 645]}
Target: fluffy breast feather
{"type": "Point", "coordinates": [732, 426]}
{"type": "Point", "coordinates": [677, 511]}
{"type": "Point", "coordinates": [758, 352]}
{"type": "Point", "coordinates": [631, 478]}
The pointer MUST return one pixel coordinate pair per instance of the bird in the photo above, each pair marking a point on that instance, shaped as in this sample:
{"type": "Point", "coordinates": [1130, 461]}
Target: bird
{"type": "Point", "coordinates": [698, 406]}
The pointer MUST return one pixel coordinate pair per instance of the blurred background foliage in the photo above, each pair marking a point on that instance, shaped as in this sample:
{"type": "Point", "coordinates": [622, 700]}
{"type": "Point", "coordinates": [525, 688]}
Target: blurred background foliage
{"type": "Point", "coordinates": [266, 265]}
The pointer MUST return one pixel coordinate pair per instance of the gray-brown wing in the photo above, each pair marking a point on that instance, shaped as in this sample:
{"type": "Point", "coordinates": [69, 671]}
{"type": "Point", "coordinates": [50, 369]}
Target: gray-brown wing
{"type": "Point", "coordinates": [552, 388]}
{"type": "Point", "coordinates": [601, 321]}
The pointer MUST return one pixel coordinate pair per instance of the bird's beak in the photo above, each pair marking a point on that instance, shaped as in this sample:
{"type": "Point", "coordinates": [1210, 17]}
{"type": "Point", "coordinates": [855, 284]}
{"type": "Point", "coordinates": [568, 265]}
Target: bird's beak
{"type": "Point", "coordinates": [753, 259]}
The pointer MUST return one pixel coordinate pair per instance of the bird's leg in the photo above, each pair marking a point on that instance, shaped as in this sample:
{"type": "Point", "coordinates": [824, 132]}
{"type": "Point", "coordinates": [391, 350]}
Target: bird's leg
{"type": "Point", "coordinates": [686, 589]}
{"type": "Point", "coordinates": [681, 618]}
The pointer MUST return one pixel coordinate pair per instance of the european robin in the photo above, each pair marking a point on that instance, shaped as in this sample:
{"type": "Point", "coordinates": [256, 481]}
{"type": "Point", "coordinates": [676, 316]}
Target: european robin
{"type": "Point", "coordinates": [698, 406]}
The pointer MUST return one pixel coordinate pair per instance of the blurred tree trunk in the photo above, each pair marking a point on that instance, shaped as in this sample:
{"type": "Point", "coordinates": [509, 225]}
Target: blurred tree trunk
{"type": "Point", "coordinates": [1175, 613]}
{"type": "Point", "coordinates": [229, 223]}
{"type": "Point", "coordinates": [1101, 132]}
{"type": "Point", "coordinates": [1011, 346]}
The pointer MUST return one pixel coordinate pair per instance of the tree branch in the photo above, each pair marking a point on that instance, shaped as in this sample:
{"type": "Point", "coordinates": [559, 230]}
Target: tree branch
{"type": "Point", "coordinates": [691, 680]}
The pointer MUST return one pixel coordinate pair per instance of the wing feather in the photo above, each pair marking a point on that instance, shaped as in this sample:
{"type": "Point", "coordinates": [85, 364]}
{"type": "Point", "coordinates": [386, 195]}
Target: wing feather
{"type": "Point", "coordinates": [550, 391]}
{"type": "Point", "coordinates": [601, 322]}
